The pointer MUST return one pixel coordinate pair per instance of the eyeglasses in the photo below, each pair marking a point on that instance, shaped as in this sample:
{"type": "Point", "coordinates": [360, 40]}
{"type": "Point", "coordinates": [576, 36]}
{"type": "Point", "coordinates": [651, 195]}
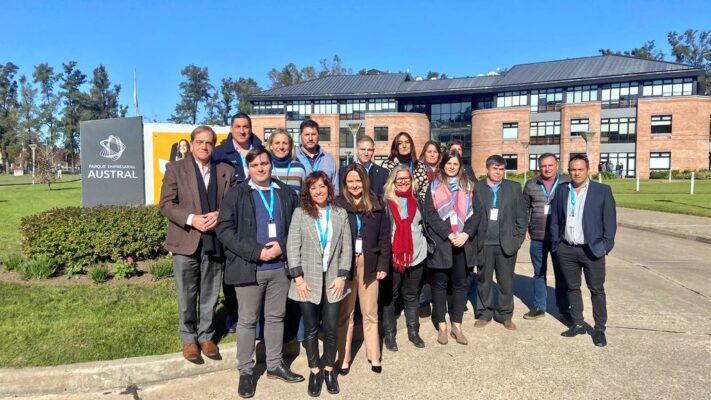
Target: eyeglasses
{"type": "Point", "coordinates": [403, 180]}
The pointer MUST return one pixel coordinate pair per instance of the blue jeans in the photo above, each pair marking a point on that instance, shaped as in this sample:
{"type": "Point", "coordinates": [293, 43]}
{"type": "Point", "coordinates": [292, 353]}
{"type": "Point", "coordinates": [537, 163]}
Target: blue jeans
{"type": "Point", "coordinates": [540, 250]}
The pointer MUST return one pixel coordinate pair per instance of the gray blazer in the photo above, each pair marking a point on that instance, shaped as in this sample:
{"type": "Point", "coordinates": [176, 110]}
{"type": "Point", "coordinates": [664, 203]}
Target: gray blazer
{"type": "Point", "coordinates": [305, 256]}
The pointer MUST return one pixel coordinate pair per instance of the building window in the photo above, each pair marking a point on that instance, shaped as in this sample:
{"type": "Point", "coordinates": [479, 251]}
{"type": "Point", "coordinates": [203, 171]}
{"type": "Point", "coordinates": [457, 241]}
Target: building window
{"type": "Point", "coordinates": [620, 95]}
{"type": "Point", "coordinates": [414, 107]}
{"type": "Point", "coordinates": [268, 107]}
{"type": "Point", "coordinates": [347, 137]}
{"type": "Point", "coordinates": [662, 124]}
{"type": "Point", "coordinates": [296, 135]}
{"type": "Point", "coordinates": [324, 133]}
{"type": "Point", "coordinates": [510, 130]}
{"type": "Point", "coordinates": [512, 99]}
{"type": "Point", "coordinates": [618, 130]}
{"type": "Point", "coordinates": [483, 103]}
{"type": "Point", "coordinates": [268, 132]}
{"type": "Point", "coordinates": [547, 132]}
{"type": "Point", "coordinates": [628, 161]}
{"type": "Point", "coordinates": [581, 94]}
{"type": "Point", "coordinates": [325, 107]}
{"type": "Point", "coordinates": [511, 161]}
{"type": "Point", "coordinates": [578, 125]}
{"type": "Point", "coordinates": [381, 133]}
{"type": "Point", "coordinates": [353, 109]}
{"type": "Point", "coordinates": [668, 87]}
{"type": "Point", "coordinates": [379, 159]}
{"type": "Point", "coordinates": [533, 161]}
{"type": "Point", "coordinates": [298, 110]}
{"type": "Point", "coordinates": [449, 121]}
{"type": "Point", "coordinates": [659, 161]}
{"type": "Point", "coordinates": [546, 100]}
{"type": "Point", "coordinates": [381, 105]}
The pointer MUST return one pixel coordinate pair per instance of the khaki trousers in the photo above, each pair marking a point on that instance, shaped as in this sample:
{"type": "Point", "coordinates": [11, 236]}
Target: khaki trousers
{"type": "Point", "coordinates": [368, 295]}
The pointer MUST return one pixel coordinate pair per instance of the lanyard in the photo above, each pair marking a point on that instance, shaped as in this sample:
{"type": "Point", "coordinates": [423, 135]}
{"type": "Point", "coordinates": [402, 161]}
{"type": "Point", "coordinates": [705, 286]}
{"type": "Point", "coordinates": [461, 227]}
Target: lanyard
{"type": "Point", "coordinates": [572, 199]}
{"type": "Point", "coordinates": [545, 192]}
{"type": "Point", "coordinates": [403, 202]}
{"type": "Point", "coordinates": [244, 161]}
{"type": "Point", "coordinates": [358, 224]}
{"type": "Point", "coordinates": [410, 166]}
{"type": "Point", "coordinates": [270, 206]}
{"type": "Point", "coordinates": [315, 165]}
{"type": "Point", "coordinates": [493, 191]}
{"type": "Point", "coordinates": [288, 170]}
{"type": "Point", "coordinates": [367, 169]}
{"type": "Point", "coordinates": [323, 235]}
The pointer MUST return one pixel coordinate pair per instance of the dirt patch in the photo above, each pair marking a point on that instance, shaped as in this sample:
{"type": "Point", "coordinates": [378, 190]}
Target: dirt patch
{"type": "Point", "coordinates": [61, 279]}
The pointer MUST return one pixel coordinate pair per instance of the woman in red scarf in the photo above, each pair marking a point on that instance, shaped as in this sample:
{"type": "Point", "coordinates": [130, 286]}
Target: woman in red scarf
{"type": "Point", "coordinates": [409, 253]}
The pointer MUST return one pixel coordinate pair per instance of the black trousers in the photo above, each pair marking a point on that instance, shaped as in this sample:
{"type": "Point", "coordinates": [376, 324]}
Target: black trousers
{"type": "Point", "coordinates": [325, 317]}
{"type": "Point", "coordinates": [495, 260]}
{"type": "Point", "coordinates": [572, 261]}
{"type": "Point", "coordinates": [230, 300]}
{"type": "Point", "coordinates": [455, 281]}
{"type": "Point", "coordinates": [403, 286]}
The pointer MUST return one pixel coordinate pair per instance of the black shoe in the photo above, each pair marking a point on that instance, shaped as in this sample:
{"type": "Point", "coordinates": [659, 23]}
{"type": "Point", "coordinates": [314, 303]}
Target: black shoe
{"type": "Point", "coordinates": [331, 382]}
{"type": "Point", "coordinates": [315, 383]}
{"type": "Point", "coordinates": [389, 341]}
{"type": "Point", "coordinates": [565, 320]}
{"type": "Point", "coordinates": [415, 338]}
{"type": "Point", "coordinates": [535, 313]}
{"type": "Point", "coordinates": [573, 331]}
{"type": "Point", "coordinates": [245, 389]}
{"type": "Point", "coordinates": [285, 374]}
{"type": "Point", "coordinates": [425, 311]}
{"type": "Point", "coordinates": [599, 338]}
{"type": "Point", "coordinates": [344, 371]}
{"type": "Point", "coordinates": [376, 368]}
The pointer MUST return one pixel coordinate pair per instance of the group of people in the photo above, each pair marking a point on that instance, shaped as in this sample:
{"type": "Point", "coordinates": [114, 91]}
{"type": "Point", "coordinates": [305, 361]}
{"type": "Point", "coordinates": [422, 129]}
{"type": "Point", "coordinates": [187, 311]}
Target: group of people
{"type": "Point", "coordinates": [299, 240]}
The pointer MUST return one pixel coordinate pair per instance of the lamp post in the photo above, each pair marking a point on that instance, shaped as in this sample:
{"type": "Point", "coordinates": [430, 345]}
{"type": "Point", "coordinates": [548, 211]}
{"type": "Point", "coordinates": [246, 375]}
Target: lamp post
{"type": "Point", "coordinates": [33, 146]}
{"type": "Point", "coordinates": [354, 128]}
{"type": "Point", "coordinates": [588, 137]}
{"type": "Point", "coordinates": [525, 144]}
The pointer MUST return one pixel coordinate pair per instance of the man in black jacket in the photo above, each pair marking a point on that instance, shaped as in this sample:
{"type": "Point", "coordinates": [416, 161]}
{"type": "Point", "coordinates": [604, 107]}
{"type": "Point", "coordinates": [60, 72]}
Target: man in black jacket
{"type": "Point", "coordinates": [252, 226]}
{"type": "Point", "coordinates": [505, 231]}
{"type": "Point", "coordinates": [377, 174]}
{"type": "Point", "coordinates": [538, 193]}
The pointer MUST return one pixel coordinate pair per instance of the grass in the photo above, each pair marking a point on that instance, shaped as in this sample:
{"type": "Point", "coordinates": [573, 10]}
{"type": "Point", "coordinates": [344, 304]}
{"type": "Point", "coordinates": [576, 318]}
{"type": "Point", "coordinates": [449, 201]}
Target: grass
{"type": "Point", "coordinates": [660, 195]}
{"type": "Point", "coordinates": [45, 325]}
{"type": "Point", "coordinates": [6, 179]}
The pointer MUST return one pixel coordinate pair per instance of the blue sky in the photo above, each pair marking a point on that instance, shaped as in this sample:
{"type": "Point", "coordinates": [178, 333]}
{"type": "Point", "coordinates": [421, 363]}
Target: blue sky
{"type": "Point", "coordinates": [248, 38]}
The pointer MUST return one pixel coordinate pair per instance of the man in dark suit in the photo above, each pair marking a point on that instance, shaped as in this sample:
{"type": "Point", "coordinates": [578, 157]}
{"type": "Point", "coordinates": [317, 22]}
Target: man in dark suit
{"type": "Point", "coordinates": [378, 175]}
{"type": "Point", "coordinates": [583, 227]}
{"type": "Point", "coordinates": [507, 221]}
{"type": "Point", "coordinates": [190, 198]}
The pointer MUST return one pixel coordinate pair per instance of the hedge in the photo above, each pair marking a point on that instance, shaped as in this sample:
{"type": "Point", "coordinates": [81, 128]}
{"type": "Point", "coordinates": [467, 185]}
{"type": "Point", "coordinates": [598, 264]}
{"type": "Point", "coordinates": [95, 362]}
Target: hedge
{"type": "Point", "coordinates": [702, 174]}
{"type": "Point", "coordinates": [86, 236]}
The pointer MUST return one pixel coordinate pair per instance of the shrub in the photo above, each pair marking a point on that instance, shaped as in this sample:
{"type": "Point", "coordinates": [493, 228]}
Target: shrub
{"type": "Point", "coordinates": [162, 268]}
{"type": "Point", "coordinates": [12, 262]}
{"type": "Point", "coordinates": [125, 269]}
{"type": "Point", "coordinates": [606, 175]}
{"type": "Point", "coordinates": [40, 267]}
{"type": "Point", "coordinates": [87, 236]}
{"type": "Point", "coordinates": [99, 274]}
{"type": "Point", "coordinates": [73, 270]}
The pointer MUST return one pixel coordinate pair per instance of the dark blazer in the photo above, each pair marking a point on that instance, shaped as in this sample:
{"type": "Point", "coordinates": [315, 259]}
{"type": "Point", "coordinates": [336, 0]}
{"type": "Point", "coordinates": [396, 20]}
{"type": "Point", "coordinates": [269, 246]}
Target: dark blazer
{"type": "Point", "coordinates": [438, 230]}
{"type": "Point", "coordinates": [375, 232]}
{"type": "Point", "coordinates": [226, 153]}
{"type": "Point", "coordinates": [599, 218]}
{"type": "Point", "coordinates": [470, 172]}
{"type": "Point", "coordinates": [237, 230]}
{"type": "Point", "coordinates": [377, 175]}
{"type": "Point", "coordinates": [513, 216]}
{"type": "Point", "coordinates": [179, 197]}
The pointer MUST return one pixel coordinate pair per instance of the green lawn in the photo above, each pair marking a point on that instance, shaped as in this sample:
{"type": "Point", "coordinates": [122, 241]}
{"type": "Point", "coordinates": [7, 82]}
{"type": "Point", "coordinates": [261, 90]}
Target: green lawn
{"type": "Point", "coordinates": [660, 195]}
{"type": "Point", "coordinates": [6, 179]}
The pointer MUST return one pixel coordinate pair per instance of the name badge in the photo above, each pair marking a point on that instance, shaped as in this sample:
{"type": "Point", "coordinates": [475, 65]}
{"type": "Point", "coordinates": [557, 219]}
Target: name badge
{"type": "Point", "coordinates": [272, 230]}
{"type": "Point", "coordinates": [571, 221]}
{"type": "Point", "coordinates": [547, 209]}
{"type": "Point", "coordinates": [453, 219]}
{"type": "Point", "coordinates": [359, 246]}
{"type": "Point", "coordinates": [494, 216]}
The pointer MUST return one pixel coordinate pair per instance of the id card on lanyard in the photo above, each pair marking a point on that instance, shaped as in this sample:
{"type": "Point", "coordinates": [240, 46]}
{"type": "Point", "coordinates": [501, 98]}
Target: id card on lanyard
{"type": "Point", "coordinates": [271, 230]}
{"type": "Point", "coordinates": [494, 215]}
{"type": "Point", "coordinates": [571, 213]}
{"type": "Point", "coordinates": [359, 238]}
{"type": "Point", "coordinates": [547, 206]}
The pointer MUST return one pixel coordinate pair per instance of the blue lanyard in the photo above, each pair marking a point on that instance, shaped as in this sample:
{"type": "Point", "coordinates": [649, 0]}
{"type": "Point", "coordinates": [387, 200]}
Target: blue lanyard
{"type": "Point", "coordinates": [323, 236]}
{"type": "Point", "coordinates": [410, 166]}
{"type": "Point", "coordinates": [288, 170]}
{"type": "Point", "coordinates": [403, 202]}
{"type": "Point", "coordinates": [270, 206]}
{"type": "Point", "coordinates": [572, 199]}
{"type": "Point", "coordinates": [315, 165]}
{"type": "Point", "coordinates": [358, 224]}
{"type": "Point", "coordinates": [545, 192]}
{"type": "Point", "coordinates": [367, 169]}
{"type": "Point", "coordinates": [493, 191]}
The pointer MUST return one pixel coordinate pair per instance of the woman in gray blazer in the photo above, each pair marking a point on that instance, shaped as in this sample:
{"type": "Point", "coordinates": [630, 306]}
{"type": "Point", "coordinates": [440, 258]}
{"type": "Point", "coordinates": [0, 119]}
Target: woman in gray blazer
{"type": "Point", "coordinates": [319, 253]}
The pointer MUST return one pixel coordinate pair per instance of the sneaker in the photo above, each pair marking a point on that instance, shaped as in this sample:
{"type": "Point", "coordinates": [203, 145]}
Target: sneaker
{"type": "Point", "coordinates": [535, 313]}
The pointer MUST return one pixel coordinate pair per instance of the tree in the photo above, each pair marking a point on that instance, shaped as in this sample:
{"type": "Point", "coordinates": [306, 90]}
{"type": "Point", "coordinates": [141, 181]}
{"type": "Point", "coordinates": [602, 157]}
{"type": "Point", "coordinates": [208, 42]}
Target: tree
{"type": "Point", "coordinates": [46, 78]}
{"type": "Point", "coordinates": [688, 48]}
{"type": "Point", "coordinates": [103, 98]}
{"type": "Point", "coordinates": [8, 110]}
{"type": "Point", "coordinates": [75, 106]}
{"type": "Point", "coordinates": [647, 51]}
{"type": "Point", "coordinates": [243, 89]}
{"type": "Point", "coordinates": [28, 121]}
{"type": "Point", "coordinates": [333, 67]}
{"type": "Point", "coordinates": [435, 75]}
{"type": "Point", "coordinates": [291, 74]}
{"type": "Point", "coordinates": [44, 167]}
{"type": "Point", "coordinates": [193, 91]}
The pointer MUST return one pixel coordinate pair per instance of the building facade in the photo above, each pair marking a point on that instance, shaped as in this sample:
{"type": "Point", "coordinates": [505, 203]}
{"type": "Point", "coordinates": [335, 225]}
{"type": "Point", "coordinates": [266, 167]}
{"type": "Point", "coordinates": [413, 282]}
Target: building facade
{"type": "Point", "coordinates": [648, 115]}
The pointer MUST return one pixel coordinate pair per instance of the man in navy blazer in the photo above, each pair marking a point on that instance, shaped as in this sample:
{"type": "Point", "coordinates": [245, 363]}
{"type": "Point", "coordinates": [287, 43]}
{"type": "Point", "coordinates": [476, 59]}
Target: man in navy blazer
{"type": "Point", "coordinates": [583, 227]}
{"type": "Point", "coordinates": [378, 175]}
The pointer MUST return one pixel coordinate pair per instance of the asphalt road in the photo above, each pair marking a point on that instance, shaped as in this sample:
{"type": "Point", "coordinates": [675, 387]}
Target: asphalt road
{"type": "Point", "coordinates": [659, 334]}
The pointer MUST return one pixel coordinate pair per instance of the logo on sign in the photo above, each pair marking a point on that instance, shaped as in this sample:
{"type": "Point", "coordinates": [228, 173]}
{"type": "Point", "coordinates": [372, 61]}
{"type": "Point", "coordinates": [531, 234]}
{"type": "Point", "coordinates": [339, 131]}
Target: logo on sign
{"type": "Point", "coordinates": [112, 148]}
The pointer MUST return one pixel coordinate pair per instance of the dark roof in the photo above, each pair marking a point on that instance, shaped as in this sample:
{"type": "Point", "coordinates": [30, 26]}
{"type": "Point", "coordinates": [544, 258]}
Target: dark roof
{"type": "Point", "coordinates": [541, 74]}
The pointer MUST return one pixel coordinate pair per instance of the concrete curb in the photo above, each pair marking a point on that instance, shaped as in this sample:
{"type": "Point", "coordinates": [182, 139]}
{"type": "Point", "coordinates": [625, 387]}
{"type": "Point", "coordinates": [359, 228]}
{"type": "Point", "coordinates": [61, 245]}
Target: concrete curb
{"type": "Point", "coordinates": [666, 232]}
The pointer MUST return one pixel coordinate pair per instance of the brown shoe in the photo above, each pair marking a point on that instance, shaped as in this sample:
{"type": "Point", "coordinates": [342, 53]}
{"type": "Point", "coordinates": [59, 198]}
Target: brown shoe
{"type": "Point", "coordinates": [442, 336]}
{"type": "Point", "coordinates": [508, 324]}
{"type": "Point", "coordinates": [209, 349]}
{"type": "Point", "coordinates": [191, 352]}
{"type": "Point", "coordinates": [480, 323]}
{"type": "Point", "coordinates": [458, 335]}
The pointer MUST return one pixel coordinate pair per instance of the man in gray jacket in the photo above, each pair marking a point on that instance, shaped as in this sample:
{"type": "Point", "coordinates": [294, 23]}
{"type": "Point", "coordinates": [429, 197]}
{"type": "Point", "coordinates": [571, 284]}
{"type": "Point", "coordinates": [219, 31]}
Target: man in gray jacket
{"type": "Point", "coordinates": [538, 193]}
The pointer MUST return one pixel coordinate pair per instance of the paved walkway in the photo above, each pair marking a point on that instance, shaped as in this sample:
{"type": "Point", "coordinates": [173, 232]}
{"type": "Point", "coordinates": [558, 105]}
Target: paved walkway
{"type": "Point", "coordinates": [677, 225]}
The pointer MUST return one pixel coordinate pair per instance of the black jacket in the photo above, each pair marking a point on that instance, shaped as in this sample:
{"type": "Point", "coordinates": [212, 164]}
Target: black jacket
{"type": "Point", "coordinates": [513, 217]}
{"type": "Point", "coordinates": [377, 175]}
{"type": "Point", "coordinates": [237, 230]}
{"type": "Point", "coordinates": [438, 230]}
{"type": "Point", "coordinates": [226, 153]}
{"type": "Point", "coordinates": [375, 232]}
{"type": "Point", "coordinates": [538, 221]}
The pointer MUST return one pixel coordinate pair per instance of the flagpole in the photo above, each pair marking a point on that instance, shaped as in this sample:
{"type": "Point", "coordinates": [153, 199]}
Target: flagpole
{"type": "Point", "coordinates": [135, 94]}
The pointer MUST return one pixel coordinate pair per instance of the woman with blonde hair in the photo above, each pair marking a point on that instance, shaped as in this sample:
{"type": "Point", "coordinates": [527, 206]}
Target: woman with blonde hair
{"type": "Point", "coordinates": [285, 166]}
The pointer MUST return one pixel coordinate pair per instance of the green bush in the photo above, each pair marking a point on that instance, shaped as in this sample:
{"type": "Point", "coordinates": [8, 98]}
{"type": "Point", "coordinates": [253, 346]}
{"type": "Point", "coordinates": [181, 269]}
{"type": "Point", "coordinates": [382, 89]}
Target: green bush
{"type": "Point", "coordinates": [73, 270]}
{"type": "Point", "coordinates": [12, 262]}
{"type": "Point", "coordinates": [99, 274]}
{"type": "Point", "coordinates": [125, 269]}
{"type": "Point", "coordinates": [162, 268]}
{"type": "Point", "coordinates": [87, 236]}
{"type": "Point", "coordinates": [605, 175]}
{"type": "Point", "coordinates": [702, 174]}
{"type": "Point", "coordinates": [40, 267]}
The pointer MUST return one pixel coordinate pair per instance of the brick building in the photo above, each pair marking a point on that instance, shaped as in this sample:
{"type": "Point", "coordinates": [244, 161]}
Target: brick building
{"type": "Point", "coordinates": [646, 114]}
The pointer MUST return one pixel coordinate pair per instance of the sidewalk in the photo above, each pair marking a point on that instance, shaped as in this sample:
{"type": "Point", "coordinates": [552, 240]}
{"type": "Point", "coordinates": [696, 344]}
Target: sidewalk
{"type": "Point", "coordinates": [676, 225]}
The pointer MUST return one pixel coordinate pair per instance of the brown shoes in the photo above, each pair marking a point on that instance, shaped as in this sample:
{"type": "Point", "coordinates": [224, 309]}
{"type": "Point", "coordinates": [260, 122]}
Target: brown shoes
{"type": "Point", "coordinates": [480, 323]}
{"type": "Point", "coordinates": [442, 336]}
{"type": "Point", "coordinates": [508, 324]}
{"type": "Point", "coordinates": [191, 352]}
{"type": "Point", "coordinates": [209, 349]}
{"type": "Point", "coordinates": [458, 335]}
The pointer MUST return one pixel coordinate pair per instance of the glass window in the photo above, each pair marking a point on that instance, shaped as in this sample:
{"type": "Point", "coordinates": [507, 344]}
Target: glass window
{"type": "Point", "coordinates": [381, 133]}
{"type": "Point", "coordinates": [510, 130]}
{"type": "Point", "coordinates": [581, 94]}
{"type": "Point", "coordinates": [512, 99]}
{"type": "Point", "coordinates": [662, 124]}
{"type": "Point", "coordinates": [347, 137]}
{"type": "Point", "coordinates": [268, 107]}
{"type": "Point", "coordinates": [298, 110]}
{"type": "Point", "coordinates": [324, 133]}
{"type": "Point", "coordinates": [353, 109]}
{"type": "Point", "coordinates": [659, 161]}
{"type": "Point", "coordinates": [414, 106]}
{"type": "Point", "coordinates": [268, 132]}
{"type": "Point", "coordinates": [325, 107]}
{"type": "Point", "coordinates": [577, 126]}
{"type": "Point", "coordinates": [511, 161]}
{"type": "Point", "coordinates": [295, 134]}
{"type": "Point", "coordinates": [381, 105]}
{"type": "Point", "coordinates": [546, 100]}
{"type": "Point", "coordinates": [545, 132]}
{"type": "Point", "coordinates": [452, 120]}
{"type": "Point", "coordinates": [618, 130]}
{"type": "Point", "coordinates": [482, 103]}
{"type": "Point", "coordinates": [628, 161]}
{"type": "Point", "coordinates": [620, 95]}
{"type": "Point", "coordinates": [668, 87]}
